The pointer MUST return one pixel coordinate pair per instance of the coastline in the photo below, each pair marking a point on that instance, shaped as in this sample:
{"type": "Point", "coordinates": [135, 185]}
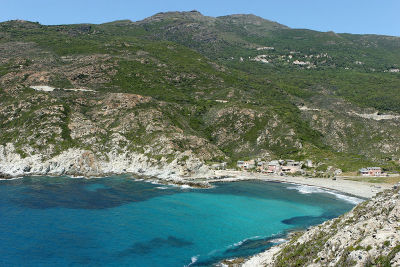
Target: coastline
{"type": "Point", "coordinates": [355, 191]}
{"type": "Point", "coordinates": [353, 188]}
{"type": "Point", "coordinates": [363, 190]}
{"type": "Point", "coordinates": [342, 186]}
{"type": "Point", "coordinates": [185, 169]}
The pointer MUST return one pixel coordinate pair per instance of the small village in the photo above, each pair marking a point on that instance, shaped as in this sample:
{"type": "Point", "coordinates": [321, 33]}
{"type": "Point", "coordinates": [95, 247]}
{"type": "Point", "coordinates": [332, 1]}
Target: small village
{"type": "Point", "coordinates": [275, 166]}
{"type": "Point", "coordinates": [295, 168]}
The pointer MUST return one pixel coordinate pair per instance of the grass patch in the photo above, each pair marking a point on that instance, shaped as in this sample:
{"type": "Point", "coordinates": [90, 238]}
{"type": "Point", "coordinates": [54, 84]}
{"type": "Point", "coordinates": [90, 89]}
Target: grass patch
{"type": "Point", "coordinates": [382, 180]}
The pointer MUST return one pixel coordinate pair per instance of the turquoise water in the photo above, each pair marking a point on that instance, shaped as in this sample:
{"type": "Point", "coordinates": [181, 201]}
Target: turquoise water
{"type": "Point", "coordinates": [117, 221]}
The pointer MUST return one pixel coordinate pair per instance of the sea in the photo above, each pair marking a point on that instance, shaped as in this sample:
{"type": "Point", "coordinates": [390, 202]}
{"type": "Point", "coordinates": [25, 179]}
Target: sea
{"type": "Point", "coordinates": [121, 221]}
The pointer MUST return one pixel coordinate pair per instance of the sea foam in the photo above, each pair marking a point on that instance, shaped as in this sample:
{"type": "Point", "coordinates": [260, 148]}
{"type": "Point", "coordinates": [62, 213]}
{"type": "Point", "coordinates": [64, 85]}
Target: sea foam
{"type": "Point", "coordinates": [308, 189]}
{"type": "Point", "coordinates": [193, 260]}
{"type": "Point", "coordinates": [163, 187]}
{"type": "Point", "coordinates": [237, 244]}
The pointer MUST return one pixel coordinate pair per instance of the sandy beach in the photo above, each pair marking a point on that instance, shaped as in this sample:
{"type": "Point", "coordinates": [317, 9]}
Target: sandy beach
{"type": "Point", "coordinates": [355, 188]}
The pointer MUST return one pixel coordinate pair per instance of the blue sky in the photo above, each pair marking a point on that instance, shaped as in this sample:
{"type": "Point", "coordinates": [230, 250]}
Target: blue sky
{"type": "Point", "coordinates": [353, 16]}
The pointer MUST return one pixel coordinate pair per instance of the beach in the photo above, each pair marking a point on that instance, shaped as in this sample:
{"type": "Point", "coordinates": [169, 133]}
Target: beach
{"type": "Point", "coordinates": [340, 185]}
{"type": "Point", "coordinates": [355, 188]}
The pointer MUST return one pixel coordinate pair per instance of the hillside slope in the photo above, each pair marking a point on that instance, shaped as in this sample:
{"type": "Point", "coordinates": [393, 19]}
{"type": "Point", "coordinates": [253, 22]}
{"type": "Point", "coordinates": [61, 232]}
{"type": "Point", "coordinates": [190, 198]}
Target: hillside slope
{"type": "Point", "coordinates": [185, 89]}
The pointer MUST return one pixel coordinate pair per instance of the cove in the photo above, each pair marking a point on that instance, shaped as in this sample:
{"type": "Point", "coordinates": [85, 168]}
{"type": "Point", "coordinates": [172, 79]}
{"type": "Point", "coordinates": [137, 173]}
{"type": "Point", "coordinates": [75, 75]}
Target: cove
{"type": "Point", "coordinates": [117, 221]}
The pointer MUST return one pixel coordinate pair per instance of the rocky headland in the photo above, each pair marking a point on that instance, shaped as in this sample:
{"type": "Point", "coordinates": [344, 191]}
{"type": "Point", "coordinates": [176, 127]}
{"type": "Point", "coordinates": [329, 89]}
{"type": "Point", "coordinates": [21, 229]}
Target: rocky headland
{"type": "Point", "coordinates": [77, 162]}
{"type": "Point", "coordinates": [368, 235]}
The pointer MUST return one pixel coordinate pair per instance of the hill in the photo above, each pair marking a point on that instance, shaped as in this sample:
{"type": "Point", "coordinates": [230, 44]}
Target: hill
{"type": "Point", "coordinates": [179, 90]}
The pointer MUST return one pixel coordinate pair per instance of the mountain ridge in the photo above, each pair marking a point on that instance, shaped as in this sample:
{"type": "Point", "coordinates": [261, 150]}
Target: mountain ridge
{"type": "Point", "coordinates": [198, 12]}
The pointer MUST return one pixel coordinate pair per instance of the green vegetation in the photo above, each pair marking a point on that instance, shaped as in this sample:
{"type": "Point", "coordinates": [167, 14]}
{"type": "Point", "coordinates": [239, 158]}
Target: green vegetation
{"type": "Point", "coordinates": [388, 180]}
{"type": "Point", "coordinates": [297, 254]}
{"type": "Point", "coordinates": [365, 89]}
{"type": "Point", "coordinates": [205, 83]}
{"type": "Point", "coordinates": [65, 131]}
{"type": "Point", "coordinates": [384, 261]}
{"type": "Point", "coordinates": [60, 82]}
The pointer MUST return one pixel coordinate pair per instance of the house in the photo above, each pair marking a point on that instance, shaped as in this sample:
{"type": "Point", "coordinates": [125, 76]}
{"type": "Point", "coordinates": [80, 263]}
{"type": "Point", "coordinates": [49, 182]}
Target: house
{"type": "Point", "coordinates": [364, 172]}
{"type": "Point", "coordinates": [371, 171]}
{"type": "Point", "coordinates": [290, 162]}
{"type": "Point", "coordinates": [273, 167]}
{"type": "Point", "coordinates": [261, 165]}
{"type": "Point", "coordinates": [292, 166]}
{"type": "Point", "coordinates": [309, 163]}
{"type": "Point", "coordinates": [291, 169]}
{"type": "Point", "coordinates": [375, 171]}
{"type": "Point", "coordinates": [219, 166]}
{"type": "Point", "coordinates": [246, 165]}
{"type": "Point", "coordinates": [240, 164]}
{"type": "Point", "coordinates": [338, 172]}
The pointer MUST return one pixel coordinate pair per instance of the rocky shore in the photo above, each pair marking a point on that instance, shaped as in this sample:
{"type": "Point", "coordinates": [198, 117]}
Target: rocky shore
{"type": "Point", "coordinates": [78, 162]}
{"type": "Point", "coordinates": [183, 169]}
{"type": "Point", "coordinates": [4, 176]}
{"type": "Point", "coordinates": [366, 236]}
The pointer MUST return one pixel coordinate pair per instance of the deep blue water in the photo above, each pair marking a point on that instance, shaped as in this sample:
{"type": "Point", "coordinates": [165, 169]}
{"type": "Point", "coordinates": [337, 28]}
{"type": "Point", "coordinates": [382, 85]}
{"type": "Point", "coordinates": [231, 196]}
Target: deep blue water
{"type": "Point", "coordinates": [117, 221]}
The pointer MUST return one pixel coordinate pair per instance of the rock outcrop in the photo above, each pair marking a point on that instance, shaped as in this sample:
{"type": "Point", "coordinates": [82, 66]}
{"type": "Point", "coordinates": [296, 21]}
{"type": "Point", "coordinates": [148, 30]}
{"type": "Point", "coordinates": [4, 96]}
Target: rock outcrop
{"type": "Point", "coordinates": [86, 163]}
{"type": "Point", "coordinates": [368, 235]}
{"type": "Point", "coordinates": [92, 134]}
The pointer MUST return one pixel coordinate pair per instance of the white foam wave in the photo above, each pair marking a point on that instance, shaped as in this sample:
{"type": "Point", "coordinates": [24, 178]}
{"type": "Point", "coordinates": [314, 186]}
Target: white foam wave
{"type": "Point", "coordinates": [193, 260]}
{"type": "Point", "coordinates": [10, 179]}
{"type": "Point", "coordinates": [78, 177]}
{"type": "Point", "coordinates": [244, 240]}
{"type": "Point", "coordinates": [239, 243]}
{"type": "Point", "coordinates": [162, 187]}
{"type": "Point", "coordinates": [353, 200]}
{"type": "Point", "coordinates": [308, 189]}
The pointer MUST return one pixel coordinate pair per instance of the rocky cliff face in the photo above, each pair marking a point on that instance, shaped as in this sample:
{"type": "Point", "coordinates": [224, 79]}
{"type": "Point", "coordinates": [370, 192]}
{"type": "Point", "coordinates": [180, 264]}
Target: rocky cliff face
{"type": "Point", "coordinates": [369, 235]}
{"type": "Point", "coordinates": [78, 162]}
{"type": "Point", "coordinates": [91, 134]}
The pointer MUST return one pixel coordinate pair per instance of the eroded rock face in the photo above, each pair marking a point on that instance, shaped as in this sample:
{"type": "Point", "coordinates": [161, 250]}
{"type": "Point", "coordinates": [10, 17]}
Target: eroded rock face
{"type": "Point", "coordinates": [369, 234]}
{"type": "Point", "coordinates": [84, 162]}
{"type": "Point", "coordinates": [82, 133]}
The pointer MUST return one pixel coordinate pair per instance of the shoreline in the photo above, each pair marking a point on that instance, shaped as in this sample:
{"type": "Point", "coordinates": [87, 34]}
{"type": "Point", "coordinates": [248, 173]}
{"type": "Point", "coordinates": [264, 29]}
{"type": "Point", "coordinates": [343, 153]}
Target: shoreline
{"type": "Point", "coordinates": [359, 189]}
{"type": "Point", "coordinates": [342, 186]}
{"type": "Point", "coordinates": [353, 189]}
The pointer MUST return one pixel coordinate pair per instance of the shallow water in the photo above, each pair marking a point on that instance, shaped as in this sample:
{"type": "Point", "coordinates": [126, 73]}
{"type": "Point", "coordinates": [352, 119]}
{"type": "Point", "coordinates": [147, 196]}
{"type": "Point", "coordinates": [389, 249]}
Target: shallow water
{"type": "Point", "coordinates": [117, 221]}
